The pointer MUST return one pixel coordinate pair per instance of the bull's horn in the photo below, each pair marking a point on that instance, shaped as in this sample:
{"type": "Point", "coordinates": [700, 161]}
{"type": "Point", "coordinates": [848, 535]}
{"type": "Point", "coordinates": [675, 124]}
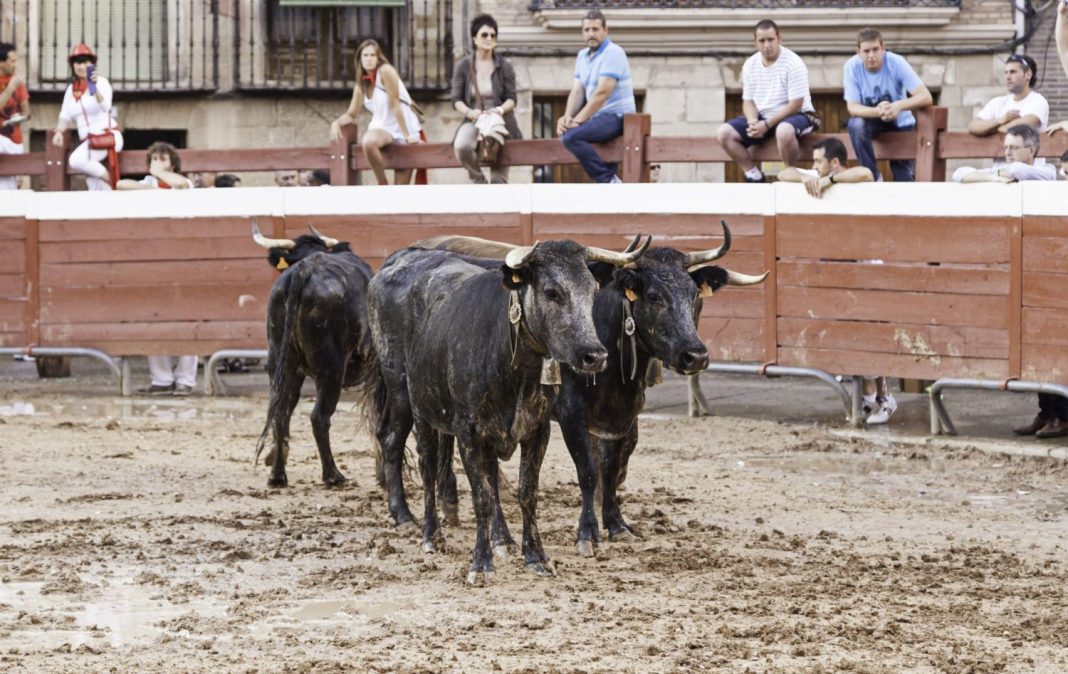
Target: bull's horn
{"type": "Point", "coordinates": [704, 256]}
{"type": "Point", "coordinates": [633, 244]}
{"type": "Point", "coordinates": [618, 259]}
{"type": "Point", "coordinates": [263, 241]}
{"type": "Point", "coordinates": [738, 279]}
{"type": "Point", "coordinates": [517, 259]}
{"type": "Point", "coordinates": [327, 241]}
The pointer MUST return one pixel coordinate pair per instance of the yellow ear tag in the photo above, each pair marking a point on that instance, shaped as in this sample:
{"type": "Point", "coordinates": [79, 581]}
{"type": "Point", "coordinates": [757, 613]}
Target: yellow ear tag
{"type": "Point", "coordinates": [630, 294]}
{"type": "Point", "coordinates": [516, 278]}
{"type": "Point", "coordinates": [705, 290]}
{"type": "Point", "coordinates": [282, 264]}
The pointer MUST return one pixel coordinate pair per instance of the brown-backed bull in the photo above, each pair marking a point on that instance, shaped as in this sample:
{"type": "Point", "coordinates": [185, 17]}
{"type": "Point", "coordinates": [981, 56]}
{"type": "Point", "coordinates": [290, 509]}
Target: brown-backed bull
{"type": "Point", "coordinates": [461, 348]}
{"type": "Point", "coordinates": [317, 327]}
{"type": "Point", "coordinates": [645, 312]}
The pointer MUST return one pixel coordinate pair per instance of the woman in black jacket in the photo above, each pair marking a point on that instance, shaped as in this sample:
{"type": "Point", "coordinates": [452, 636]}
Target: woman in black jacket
{"type": "Point", "coordinates": [483, 83]}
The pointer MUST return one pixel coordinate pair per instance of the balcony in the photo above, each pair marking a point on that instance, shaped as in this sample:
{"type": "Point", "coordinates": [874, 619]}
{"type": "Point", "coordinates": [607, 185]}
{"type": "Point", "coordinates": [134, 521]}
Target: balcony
{"type": "Point", "coordinates": [538, 5]}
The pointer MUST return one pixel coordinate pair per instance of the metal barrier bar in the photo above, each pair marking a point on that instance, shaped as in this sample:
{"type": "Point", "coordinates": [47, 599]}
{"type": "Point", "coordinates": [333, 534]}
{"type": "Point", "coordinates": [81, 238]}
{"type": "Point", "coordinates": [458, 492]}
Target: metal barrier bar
{"type": "Point", "coordinates": [213, 384]}
{"type": "Point", "coordinates": [940, 421]}
{"type": "Point", "coordinates": [852, 407]}
{"type": "Point", "coordinates": [71, 352]}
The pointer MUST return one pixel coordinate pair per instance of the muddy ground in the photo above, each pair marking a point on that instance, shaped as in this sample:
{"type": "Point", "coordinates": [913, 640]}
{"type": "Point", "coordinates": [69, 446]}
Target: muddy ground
{"type": "Point", "coordinates": [136, 535]}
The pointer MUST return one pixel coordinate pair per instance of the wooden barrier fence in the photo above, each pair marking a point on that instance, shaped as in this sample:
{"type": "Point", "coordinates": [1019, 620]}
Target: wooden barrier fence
{"type": "Point", "coordinates": [930, 145]}
{"type": "Point", "coordinates": [917, 280]}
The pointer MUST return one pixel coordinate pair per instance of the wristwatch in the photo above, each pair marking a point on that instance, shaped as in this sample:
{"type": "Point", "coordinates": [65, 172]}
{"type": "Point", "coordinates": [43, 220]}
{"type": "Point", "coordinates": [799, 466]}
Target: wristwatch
{"type": "Point", "coordinates": [832, 178]}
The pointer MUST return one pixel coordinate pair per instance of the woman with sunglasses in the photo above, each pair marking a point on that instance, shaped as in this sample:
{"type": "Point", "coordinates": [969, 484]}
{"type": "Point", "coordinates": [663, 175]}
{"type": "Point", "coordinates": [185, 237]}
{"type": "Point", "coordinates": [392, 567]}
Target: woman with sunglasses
{"type": "Point", "coordinates": [483, 82]}
{"type": "Point", "coordinates": [87, 104]}
{"type": "Point", "coordinates": [394, 116]}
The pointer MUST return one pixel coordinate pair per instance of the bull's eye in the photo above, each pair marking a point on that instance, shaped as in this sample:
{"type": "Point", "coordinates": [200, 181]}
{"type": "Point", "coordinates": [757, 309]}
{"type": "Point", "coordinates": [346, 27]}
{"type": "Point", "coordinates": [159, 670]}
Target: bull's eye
{"type": "Point", "coordinates": [653, 298]}
{"type": "Point", "coordinates": [553, 295]}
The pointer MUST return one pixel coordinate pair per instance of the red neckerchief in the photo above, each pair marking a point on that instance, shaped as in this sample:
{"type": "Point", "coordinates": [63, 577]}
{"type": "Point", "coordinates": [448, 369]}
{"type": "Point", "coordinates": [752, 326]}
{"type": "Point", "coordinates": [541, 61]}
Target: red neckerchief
{"type": "Point", "coordinates": [371, 76]}
{"type": "Point", "coordinates": [162, 185]}
{"type": "Point", "coordinates": [79, 87]}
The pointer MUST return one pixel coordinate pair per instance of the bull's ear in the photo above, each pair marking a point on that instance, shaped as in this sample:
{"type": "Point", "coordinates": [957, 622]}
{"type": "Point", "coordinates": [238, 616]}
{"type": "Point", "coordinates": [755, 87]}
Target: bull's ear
{"type": "Point", "coordinates": [627, 281]}
{"type": "Point", "coordinates": [709, 279]}
{"type": "Point", "coordinates": [602, 272]}
{"type": "Point", "coordinates": [514, 278]}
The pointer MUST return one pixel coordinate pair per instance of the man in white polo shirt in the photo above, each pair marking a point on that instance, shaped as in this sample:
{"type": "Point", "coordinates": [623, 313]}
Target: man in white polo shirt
{"type": "Point", "coordinates": [775, 100]}
{"type": "Point", "coordinates": [1021, 105]}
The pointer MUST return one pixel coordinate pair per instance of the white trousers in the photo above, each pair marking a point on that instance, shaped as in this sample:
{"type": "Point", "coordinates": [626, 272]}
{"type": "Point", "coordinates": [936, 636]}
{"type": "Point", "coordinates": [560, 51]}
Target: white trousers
{"type": "Point", "coordinates": [87, 161]}
{"type": "Point", "coordinates": [167, 370]}
{"type": "Point", "coordinates": [7, 146]}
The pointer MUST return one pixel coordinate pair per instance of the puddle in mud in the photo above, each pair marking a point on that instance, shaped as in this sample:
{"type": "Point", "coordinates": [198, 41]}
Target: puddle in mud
{"type": "Point", "coordinates": [17, 408]}
{"type": "Point", "coordinates": [352, 615]}
{"type": "Point", "coordinates": [126, 617]}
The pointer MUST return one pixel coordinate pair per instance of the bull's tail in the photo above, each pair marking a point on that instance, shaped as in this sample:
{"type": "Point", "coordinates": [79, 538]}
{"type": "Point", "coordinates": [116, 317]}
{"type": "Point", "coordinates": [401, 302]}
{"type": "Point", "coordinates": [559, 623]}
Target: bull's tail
{"type": "Point", "coordinates": [372, 396]}
{"type": "Point", "coordinates": [280, 383]}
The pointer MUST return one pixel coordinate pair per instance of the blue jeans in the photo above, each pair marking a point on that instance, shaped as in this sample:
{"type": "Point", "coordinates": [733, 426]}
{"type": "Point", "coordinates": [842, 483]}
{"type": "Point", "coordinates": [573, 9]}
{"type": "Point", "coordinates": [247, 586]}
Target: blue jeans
{"type": "Point", "coordinates": [599, 129]}
{"type": "Point", "coordinates": [861, 133]}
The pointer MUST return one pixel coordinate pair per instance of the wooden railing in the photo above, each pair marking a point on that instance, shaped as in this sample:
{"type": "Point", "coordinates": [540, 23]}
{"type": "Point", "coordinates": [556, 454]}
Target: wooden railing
{"type": "Point", "coordinates": [930, 145]}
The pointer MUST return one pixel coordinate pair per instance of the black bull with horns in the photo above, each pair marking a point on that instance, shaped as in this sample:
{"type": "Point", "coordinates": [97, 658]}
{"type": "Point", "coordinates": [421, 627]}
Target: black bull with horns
{"type": "Point", "coordinates": [645, 313]}
{"type": "Point", "coordinates": [316, 326]}
{"type": "Point", "coordinates": [461, 345]}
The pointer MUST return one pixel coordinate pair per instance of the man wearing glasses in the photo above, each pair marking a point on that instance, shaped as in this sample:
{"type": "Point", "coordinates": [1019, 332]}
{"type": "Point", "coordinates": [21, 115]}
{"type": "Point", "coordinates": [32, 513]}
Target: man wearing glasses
{"type": "Point", "coordinates": [601, 94]}
{"type": "Point", "coordinates": [1021, 150]}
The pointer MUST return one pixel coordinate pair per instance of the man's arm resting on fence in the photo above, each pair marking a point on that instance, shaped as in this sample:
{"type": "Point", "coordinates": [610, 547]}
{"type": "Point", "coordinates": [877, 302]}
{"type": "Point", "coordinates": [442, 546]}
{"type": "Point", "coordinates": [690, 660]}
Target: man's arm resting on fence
{"type": "Point", "coordinates": [575, 98]}
{"type": "Point", "coordinates": [816, 185]}
{"type": "Point", "coordinates": [349, 116]}
{"type": "Point", "coordinates": [605, 85]}
{"type": "Point", "coordinates": [1062, 34]}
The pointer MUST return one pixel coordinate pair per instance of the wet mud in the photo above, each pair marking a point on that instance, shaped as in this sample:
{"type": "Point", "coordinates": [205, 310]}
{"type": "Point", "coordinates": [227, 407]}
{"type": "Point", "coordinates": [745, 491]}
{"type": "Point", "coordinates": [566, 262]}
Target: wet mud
{"type": "Point", "coordinates": [138, 535]}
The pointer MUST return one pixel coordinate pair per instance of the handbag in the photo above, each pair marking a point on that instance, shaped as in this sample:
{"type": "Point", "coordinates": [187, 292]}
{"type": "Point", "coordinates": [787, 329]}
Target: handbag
{"type": "Point", "coordinates": [102, 141]}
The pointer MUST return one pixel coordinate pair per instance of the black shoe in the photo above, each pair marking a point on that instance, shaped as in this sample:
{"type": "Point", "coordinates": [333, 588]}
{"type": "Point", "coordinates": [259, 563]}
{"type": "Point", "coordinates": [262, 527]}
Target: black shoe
{"type": "Point", "coordinates": [1056, 428]}
{"type": "Point", "coordinates": [1030, 429]}
{"type": "Point", "coordinates": [157, 390]}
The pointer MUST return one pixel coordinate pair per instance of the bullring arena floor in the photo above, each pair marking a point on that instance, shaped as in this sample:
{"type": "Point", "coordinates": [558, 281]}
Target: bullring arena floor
{"type": "Point", "coordinates": [136, 535]}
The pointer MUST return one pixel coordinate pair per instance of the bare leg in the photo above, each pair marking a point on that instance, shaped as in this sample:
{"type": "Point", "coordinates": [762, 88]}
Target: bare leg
{"type": "Point", "coordinates": [402, 177]}
{"type": "Point", "coordinates": [373, 142]}
{"type": "Point", "coordinates": [732, 143]}
{"type": "Point", "coordinates": [789, 150]}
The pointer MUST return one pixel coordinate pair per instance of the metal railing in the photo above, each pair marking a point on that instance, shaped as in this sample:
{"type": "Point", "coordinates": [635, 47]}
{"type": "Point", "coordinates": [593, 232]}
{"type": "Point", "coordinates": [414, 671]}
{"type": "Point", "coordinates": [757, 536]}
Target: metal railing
{"type": "Point", "coordinates": [538, 5]}
{"type": "Point", "coordinates": [313, 48]}
{"type": "Point", "coordinates": [141, 45]}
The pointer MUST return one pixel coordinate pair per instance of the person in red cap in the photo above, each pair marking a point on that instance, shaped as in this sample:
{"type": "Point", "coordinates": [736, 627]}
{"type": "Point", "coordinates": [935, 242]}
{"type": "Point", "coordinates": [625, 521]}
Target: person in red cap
{"type": "Point", "coordinates": [87, 104]}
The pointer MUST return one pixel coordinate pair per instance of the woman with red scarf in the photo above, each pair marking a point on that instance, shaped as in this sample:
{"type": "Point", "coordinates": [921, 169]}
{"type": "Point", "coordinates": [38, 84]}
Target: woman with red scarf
{"type": "Point", "coordinates": [394, 117]}
{"type": "Point", "coordinates": [87, 104]}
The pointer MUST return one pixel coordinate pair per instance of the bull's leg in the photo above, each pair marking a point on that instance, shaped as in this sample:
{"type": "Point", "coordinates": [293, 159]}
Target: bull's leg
{"type": "Point", "coordinates": [392, 435]}
{"type": "Point", "coordinates": [503, 543]}
{"type": "Point", "coordinates": [482, 498]}
{"type": "Point", "coordinates": [327, 393]}
{"type": "Point", "coordinates": [289, 397]}
{"type": "Point", "coordinates": [577, 437]}
{"type": "Point", "coordinates": [616, 454]}
{"type": "Point", "coordinates": [450, 502]}
{"type": "Point", "coordinates": [428, 447]}
{"type": "Point", "coordinates": [532, 454]}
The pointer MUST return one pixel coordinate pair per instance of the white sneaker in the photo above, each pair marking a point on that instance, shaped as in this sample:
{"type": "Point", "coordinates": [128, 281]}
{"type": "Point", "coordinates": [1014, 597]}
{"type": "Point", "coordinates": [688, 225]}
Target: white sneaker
{"type": "Point", "coordinates": [615, 179]}
{"type": "Point", "coordinates": [887, 407]}
{"type": "Point", "coordinates": [868, 407]}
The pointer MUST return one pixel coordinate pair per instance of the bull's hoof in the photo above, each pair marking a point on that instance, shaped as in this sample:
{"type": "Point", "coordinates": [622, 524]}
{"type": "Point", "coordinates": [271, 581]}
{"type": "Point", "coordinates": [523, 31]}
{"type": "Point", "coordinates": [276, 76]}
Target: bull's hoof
{"type": "Point", "coordinates": [429, 548]}
{"type": "Point", "coordinates": [277, 482]}
{"type": "Point", "coordinates": [406, 527]}
{"type": "Point", "coordinates": [474, 576]}
{"type": "Point", "coordinates": [504, 551]}
{"type": "Point", "coordinates": [585, 548]}
{"type": "Point", "coordinates": [335, 480]}
{"type": "Point", "coordinates": [269, 459]}
{"type": "Point", "coordinates": [624, 535]}
{"type": "Point", "coordinates": [544, 569]}
{"type": "Point", "coordinates": [450, 514]}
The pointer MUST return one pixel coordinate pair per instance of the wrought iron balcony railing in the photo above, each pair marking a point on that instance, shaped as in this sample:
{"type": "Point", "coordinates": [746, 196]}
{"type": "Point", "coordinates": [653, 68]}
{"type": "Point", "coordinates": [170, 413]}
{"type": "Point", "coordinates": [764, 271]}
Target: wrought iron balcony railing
{"type": "Point", "coordinates": [538, 5]}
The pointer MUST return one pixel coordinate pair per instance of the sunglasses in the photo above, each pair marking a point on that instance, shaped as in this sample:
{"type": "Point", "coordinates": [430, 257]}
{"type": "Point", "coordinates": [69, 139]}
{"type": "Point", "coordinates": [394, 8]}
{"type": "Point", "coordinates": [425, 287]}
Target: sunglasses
{"type": "Point", "coordinates": [81, 59]}
{"type": "Point", "coordinates": [492, 36]}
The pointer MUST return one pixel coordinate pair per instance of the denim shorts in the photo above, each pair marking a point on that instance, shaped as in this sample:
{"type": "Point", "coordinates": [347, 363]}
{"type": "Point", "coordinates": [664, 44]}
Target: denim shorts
{"type": "Point", "coordinates": [801, 123]}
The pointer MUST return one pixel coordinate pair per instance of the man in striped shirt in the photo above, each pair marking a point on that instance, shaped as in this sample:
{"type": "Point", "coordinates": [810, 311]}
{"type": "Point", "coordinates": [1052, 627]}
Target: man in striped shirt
{"type": "Point", "coordinates": [775, 100]}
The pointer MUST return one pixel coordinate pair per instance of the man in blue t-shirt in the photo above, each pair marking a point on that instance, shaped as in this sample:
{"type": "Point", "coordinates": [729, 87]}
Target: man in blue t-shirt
{"type": "Point", "coordinates": [601, 94]}
{"type": "Point", "coordinates": [881, 90]}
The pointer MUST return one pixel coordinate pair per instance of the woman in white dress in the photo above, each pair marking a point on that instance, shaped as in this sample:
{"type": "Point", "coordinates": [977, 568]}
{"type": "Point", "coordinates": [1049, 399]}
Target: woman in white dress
{"type": "Point", "coordinates": [394, 118]}
{"type": "Point", "coordinates": [87, 104]}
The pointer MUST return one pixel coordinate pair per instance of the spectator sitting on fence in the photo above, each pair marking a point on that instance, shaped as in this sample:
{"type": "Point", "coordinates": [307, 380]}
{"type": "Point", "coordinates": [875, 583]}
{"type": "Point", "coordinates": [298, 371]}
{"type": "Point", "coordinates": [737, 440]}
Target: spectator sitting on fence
{"type": "Point", "coordinates": [227, 180]}
{"type": "Point", "coordinates": [202, 179]}
{"type": "Point", "coordinates": [1021, 152]}
{"type": "Point", "coordinates": [881, 91]}
{"type": "Point", "coordinates": [87, 104]}
{"type": "Point", "coordinates": [1022, 105]}
{"type": "Point", "coordinates": [483, 82]}
{"type": "Point", "coordinates": [1062, 48]}
{"type": "Point", "coordinates": [600, 95]}
{"type": "Point", "coordinates": [14, 109]}
{"type": "Point", "coordinates": [287, 178]}
{"type": "Point", "coordinates": [170, 375]}
{"type": "Point", "coordinates": [775, 101]}
{"type": "Point", "coordinates": [316, 178]}
{"type": "Point", "coordinates": [395, 118]}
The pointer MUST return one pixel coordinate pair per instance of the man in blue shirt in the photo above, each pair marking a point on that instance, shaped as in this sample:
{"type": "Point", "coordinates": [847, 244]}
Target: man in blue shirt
{"type": "Point", "coordinates": [601, 94]}
{"type": "Point", "coordinates": [881, 91]}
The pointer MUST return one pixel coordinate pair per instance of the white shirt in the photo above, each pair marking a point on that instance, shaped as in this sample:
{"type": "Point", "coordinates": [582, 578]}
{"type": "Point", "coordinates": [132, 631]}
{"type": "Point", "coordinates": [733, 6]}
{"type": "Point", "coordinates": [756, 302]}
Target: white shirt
{"type": "Point", "coordinates": [90, 115]}
{"type": "Point", "coordinates": [771, 88]}
{"type": "Point", "coordinates": [153, 181]}
{"type": "Point", "coordinates": [1033, 103]}
{"type": "Point", "coordinates": [1017, 170]}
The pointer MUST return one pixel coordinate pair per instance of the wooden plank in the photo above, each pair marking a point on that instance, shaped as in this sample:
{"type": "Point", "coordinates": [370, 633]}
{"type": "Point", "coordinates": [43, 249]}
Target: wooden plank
{"type": "Point", "coordinates": [1046, 363]}
{"type": "Point", "coordinates": [13, 256]}
{"type": "Point", "coordinates": [771, 290]}
{"type": "Point", "coordinates": [735, 303]}
{"type": "Point", "coordinates": [983, 311]}
{"type": "Point", "coordinates": [13, 286]}
{"type": "Point", "coordinates": [635, 132]}
{"type": "Point", "coordinates": [141, 229]}
{"type": "Point", "coordinates": [901, 338]}
{"type": "Point", "coordinates": [95, 274]}
{"type": "Point", "coordinates": [33, 281]}
{"type": "Point", "coordinates": [132, 162]}
{"type": "Point", "coordinates": [12, 228]}
{"type": "Point", "coordinates": [227, 248]}
{"type": "Point", "coordinates": [668, 149]}
{"type": "Point", "coordinates": [13, 339]}
{"type": "Point", "coordinates": [29, 164]}
{"type": "Point", "coordinates": [858, 237]}
{"type": "Point", "coordinates": [699, 231]}
{"type": "Point", "coordinates": [1045, 326]}
{"type": "Point", "coordinates": [1042, 253]}
{"type": "Point", "coordinates": [968, 280]}
{"type": "Point", "coordinates": [1015, 297]}
{"type": "Point", "coordinates": [1045, 225]}
{"type": "Point", "coordinates": [1042, 289]}
{"type": "Point", "coordinates": [963, 145]}
{"type": "Point", "coordinates": [12, 315]}
{"type": "Point", "coordinates": [255, 331]}
{"type": "Point", "coordinates": [514, 153]}
{"type": "Point", "coordinates": [203, 302]}
{"type": "Point", "coordinates": [165, 347]}
{"type": "Point", "coordinates": [734, 339]}
{"type": "Point", "coordinates": [892, 365]}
